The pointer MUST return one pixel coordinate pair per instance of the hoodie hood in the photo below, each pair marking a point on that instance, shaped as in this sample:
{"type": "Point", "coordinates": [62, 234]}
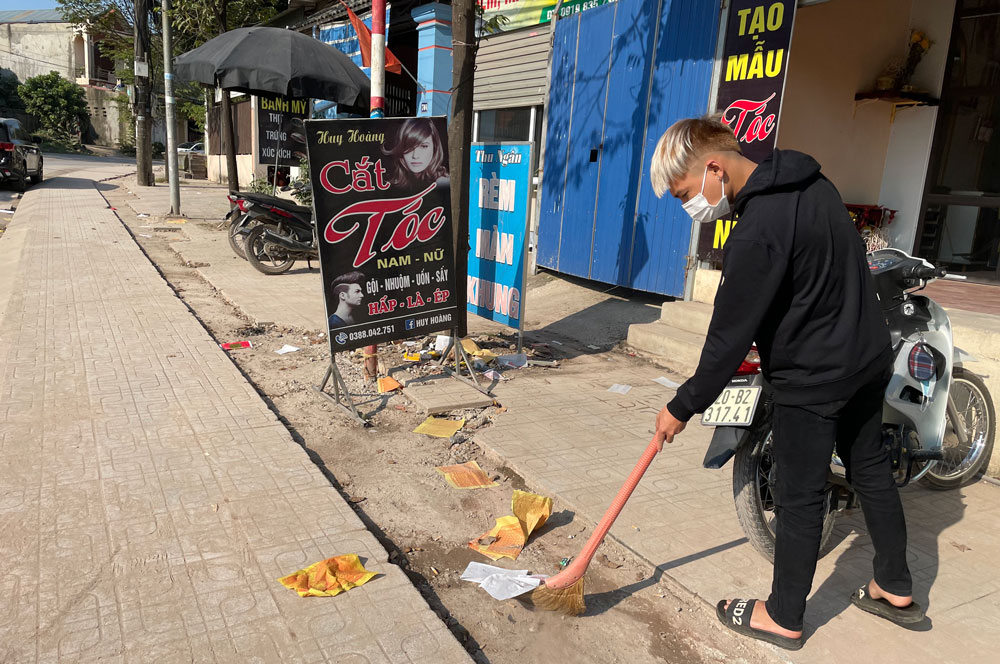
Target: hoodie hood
{"type": "Point", "coordinates": [783, 170]}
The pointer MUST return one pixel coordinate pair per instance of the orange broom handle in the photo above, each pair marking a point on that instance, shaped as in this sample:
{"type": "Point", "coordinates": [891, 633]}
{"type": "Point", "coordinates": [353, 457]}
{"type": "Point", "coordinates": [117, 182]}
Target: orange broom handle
{"type": "Point", "coordinates": [578, 567]}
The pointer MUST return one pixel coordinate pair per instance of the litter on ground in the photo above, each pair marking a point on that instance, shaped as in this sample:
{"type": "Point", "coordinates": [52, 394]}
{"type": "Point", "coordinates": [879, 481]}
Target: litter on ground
{"type": "Point", "coordinates": [515, 361]}
{"type": "Point", "coordinates": [328, 577]}
{"type": "Point", "coordinates": [388, 384]}
{"type": "Point", "coordinates": [493, 374]}
{"type": "Point", "coordinates": [466, 476]}
{"type": "Point", "coordinates": [287, 349]}
{"type": "Point", "coordinates": [230, 345]}
{"type": "Point", "coordinates": [439, 427]}
{"type": "Point", "coordinates": [441, 343]}
{"type": "Point", "coordinates": [501, 583]}
{"type": "Point", "coordinates": [666, 382]}
{"type": "Point", "coordinates": [510, 534]}
{"type": "Point", "coordinates": [620, 389]}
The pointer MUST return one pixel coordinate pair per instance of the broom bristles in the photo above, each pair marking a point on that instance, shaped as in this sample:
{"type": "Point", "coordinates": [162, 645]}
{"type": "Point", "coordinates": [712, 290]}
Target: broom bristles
{"type": "Point", "coordinates": [568, 600]}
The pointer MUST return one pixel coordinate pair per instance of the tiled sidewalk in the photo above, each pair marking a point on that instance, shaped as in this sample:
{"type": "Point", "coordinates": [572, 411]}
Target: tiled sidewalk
{"type": "Point", "coordinates": [571, 438]}
{"type": "Point", "coordinates": [149, 499]}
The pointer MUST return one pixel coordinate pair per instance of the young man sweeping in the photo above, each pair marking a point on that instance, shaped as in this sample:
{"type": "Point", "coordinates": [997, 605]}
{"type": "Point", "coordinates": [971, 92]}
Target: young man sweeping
{"type": "Point", "coordinates": [796, 281]}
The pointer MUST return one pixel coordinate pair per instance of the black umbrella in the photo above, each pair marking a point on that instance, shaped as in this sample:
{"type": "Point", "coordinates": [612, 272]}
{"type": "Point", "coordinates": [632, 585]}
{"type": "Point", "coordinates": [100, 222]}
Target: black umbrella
{"type": "Point", "coordinates": [277, 61]}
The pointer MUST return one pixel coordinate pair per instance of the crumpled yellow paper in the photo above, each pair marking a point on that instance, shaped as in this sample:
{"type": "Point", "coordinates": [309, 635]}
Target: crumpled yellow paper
{"type": "Point", "coordinates": [328, 577]}
{"type": "Point", "coordinates": [467, 475]}
{"type": "Point", "coordinates": [510, 534]}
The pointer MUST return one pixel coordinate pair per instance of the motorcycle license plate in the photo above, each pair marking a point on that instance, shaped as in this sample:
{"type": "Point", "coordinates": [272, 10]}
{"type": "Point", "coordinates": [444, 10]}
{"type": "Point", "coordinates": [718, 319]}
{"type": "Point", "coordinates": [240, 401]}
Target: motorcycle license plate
{"type": "Point", "coordinates": [734, 408]}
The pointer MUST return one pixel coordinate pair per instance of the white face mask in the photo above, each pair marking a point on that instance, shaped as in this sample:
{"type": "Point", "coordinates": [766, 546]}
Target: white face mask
{"type": "Point", "coordinates": [701, 210]}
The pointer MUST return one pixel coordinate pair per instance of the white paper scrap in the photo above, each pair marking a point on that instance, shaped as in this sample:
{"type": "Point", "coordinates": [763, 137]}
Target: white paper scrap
{"type": "Point", "coordinates": [666, 382]}
{"type": "Point", "coordinates": [593, 347]}
{"type": "Point", "coordinates": [558, 343]}
{"type": "Point", "coordinates": [515, 361]}
{"type": "Point", "coordinates": [619, 389]}
{"type": "Point", "coordinates": [441, 343]}
{"type": "Point", "coordinates": [287, 349]}
{"type": "Point", "coordinates": [501, 583]}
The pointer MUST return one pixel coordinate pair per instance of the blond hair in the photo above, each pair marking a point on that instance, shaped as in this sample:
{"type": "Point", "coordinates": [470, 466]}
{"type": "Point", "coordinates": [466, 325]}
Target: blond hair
{"type": "Point", "coordinates": [682, 144]}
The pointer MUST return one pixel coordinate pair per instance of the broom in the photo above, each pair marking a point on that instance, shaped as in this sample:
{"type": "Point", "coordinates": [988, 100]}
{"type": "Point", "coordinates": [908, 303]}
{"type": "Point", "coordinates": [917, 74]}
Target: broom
{"type": "Point", "coordinates": [564, 591]}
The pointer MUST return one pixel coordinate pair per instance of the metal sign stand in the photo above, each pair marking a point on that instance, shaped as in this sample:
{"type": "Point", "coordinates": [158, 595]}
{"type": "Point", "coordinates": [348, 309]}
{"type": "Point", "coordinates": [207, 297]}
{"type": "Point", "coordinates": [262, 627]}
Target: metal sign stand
{"type": "Point", "coordinates": [341, 395]}
{"type": "Point", "coordinates": [460, 356]}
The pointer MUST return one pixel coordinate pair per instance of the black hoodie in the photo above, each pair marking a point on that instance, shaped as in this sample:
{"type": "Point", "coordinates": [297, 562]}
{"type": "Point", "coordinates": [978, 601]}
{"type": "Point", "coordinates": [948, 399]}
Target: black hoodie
{"type": "Point", "coordinates": [796, 281]}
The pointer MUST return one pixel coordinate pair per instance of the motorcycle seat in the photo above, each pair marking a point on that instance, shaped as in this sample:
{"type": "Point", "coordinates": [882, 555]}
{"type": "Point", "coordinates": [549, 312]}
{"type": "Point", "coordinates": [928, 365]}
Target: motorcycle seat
{"type": "Point", "coordinates": [276, 201]}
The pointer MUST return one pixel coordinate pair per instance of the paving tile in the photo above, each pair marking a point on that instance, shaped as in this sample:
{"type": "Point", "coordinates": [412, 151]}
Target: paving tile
{"type": "Point", "coordinates": [149, 499]}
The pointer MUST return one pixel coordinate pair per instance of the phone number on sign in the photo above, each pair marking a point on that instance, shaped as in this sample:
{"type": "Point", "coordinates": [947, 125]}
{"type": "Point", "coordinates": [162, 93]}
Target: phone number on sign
{"type": "Point", "coordinates": [371, 332]}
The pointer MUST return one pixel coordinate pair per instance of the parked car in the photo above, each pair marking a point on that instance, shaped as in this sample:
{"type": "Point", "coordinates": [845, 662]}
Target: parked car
{"type": "Point", "coordinates": [193, 148]}
{"type": "Point", "coordinates": [20, 156]}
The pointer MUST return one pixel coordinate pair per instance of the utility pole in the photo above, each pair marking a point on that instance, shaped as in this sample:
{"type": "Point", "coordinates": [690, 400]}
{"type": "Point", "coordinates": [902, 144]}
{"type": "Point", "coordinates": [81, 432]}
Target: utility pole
{"type": "Point", "coordinates": [377, 111]}
{"type": "Point", "coordinates": [463, 58]}
{"type": "Point", "coordinates": [168, 96]}
{"type": "Point", "coordinates": [228, 135]}
{"type": "Point", "coordinates": [143, 121]}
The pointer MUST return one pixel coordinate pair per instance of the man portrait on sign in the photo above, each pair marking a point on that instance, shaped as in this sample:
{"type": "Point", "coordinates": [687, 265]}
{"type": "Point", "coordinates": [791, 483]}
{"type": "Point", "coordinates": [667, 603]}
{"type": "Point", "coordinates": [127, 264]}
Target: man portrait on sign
{"type": "Point", "coordinates": [348, 294]}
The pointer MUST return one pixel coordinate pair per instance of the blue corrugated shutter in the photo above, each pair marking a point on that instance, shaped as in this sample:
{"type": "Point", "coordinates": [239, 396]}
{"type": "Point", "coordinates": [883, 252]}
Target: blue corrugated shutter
{"type": "Point", "coordinates": [599, 218]}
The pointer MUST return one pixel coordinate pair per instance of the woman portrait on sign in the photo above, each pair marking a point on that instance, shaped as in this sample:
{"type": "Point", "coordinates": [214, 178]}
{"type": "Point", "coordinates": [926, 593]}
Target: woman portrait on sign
{"type": "Point", "coordinates": [417, 156]}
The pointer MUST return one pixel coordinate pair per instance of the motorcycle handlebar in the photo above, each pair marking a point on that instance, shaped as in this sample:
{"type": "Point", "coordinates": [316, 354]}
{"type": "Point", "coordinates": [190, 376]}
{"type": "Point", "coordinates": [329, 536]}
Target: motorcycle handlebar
{"type": "Point", "coordinates": [925, 272]}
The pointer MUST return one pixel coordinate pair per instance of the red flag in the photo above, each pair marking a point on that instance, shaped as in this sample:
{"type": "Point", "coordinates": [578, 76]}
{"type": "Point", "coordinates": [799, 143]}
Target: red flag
{"type": "Point", "coordinates": [392, 63]}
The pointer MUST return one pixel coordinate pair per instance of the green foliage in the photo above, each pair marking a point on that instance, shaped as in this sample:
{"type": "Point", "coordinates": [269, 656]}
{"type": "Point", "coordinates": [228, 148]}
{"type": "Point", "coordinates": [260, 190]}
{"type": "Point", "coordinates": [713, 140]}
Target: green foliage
{"type": "Point", "coordinates": [158, 150]}
{"type": "Point", "coordinates": [260, 186]}
{"type": "Point", "coordinates": [126, 144]}
{"type": "Point", "coordinates": [59, 106]}
{"type": "Point", "coordinates": [8, 90]}
{"type": "Point", "coordinates": [193, 23]}
{"type": "Point", "coordinates": [303, 196]}
{"type": "Point", "coordinates": [191, 103]}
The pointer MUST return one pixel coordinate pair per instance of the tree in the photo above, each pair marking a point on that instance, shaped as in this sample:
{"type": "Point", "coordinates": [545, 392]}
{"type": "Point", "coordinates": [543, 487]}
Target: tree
{"type": "Point", "coordinates": [8, 90]}
{"type": "Point", "coordinates": [194, 22]}
{"type": "Point", "coordinates": [59, 106]}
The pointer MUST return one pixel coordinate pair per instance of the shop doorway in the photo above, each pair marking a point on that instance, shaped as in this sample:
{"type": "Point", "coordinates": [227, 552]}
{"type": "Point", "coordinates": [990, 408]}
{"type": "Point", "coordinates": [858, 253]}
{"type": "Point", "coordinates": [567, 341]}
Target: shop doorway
{"type": "Point", "coordinates": [960, 224]}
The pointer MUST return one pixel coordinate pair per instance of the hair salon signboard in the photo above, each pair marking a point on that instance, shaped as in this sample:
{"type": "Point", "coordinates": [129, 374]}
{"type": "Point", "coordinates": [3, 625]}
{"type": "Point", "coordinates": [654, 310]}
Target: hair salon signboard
{"type": "Point", "coordinates": [754, 62]}
{"type": "Point", "coordinates": [751, 84]}
{"type": "Point", "coordinates": [382, 204]}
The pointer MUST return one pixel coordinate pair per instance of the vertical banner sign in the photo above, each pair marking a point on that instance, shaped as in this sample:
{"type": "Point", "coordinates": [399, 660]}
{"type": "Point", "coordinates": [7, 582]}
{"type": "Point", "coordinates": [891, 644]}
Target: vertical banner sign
{"type": "Point", "coordinates": [382, 202]}
{"type": "Point", "coordinates": [280, 127]}
{"type": "Point", "coordinates": [754, 62]}
{"type": "Point", "coordinates": [500, 181]}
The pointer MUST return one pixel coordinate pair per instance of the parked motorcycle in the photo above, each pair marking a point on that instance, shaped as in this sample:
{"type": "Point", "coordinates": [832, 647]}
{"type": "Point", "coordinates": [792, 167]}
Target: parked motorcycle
{"type": "Point", "coordinates": [938, 417]}
{"type": "Point", "coordinates": [276, 231]}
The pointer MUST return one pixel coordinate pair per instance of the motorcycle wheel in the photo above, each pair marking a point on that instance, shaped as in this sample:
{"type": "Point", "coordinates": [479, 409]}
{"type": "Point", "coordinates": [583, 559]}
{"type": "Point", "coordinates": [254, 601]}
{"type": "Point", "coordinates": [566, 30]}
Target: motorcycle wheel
{"type": "Point", "coordinates": [267, 258]}
{"type": "Point", "coordinates": [754, 473]}
{"type": "Point", "coordinates": [235, 238]}
{"type": "Point", "coordinates": [963, 464]}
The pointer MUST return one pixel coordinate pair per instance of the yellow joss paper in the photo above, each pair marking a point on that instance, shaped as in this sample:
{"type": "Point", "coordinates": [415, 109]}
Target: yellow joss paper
{"type": "Point", "coordinates": [470, 346]}
{"type": "Point", "coordinates": [388, 384]}
{"type": "Point", "coordinates": [531, 510]}
{"type": "Point", "coordinates": [510, 534]}
{"type": "Point", "coordinates": [465, 476]}
{"type": "Point", "coordinates": [411, 357]}
{"type": "Point", "coordinates": [506, 539]}
{"type": "Point", "coordinates": [439, 427]}
{"type": "Point", "coordinates": [328, 577]}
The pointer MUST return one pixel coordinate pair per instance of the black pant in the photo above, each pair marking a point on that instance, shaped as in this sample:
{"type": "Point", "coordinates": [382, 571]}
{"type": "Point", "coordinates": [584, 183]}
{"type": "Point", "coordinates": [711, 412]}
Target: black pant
{"type": "Point", "coordinates": [804, 439]}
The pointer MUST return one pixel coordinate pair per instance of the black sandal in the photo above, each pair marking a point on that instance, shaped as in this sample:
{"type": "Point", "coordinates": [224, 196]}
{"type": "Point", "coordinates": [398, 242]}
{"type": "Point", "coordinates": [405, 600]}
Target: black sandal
{"type": "Point", "coordinates": [883, 608]}
{"type": "Point", "coordinates": [737, 618]}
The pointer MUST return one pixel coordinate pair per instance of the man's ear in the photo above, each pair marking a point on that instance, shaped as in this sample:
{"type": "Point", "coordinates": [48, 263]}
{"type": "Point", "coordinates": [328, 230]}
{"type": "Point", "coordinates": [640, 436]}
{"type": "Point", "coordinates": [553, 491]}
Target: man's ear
{"type": "Point", "coordinates": [715, 169]}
